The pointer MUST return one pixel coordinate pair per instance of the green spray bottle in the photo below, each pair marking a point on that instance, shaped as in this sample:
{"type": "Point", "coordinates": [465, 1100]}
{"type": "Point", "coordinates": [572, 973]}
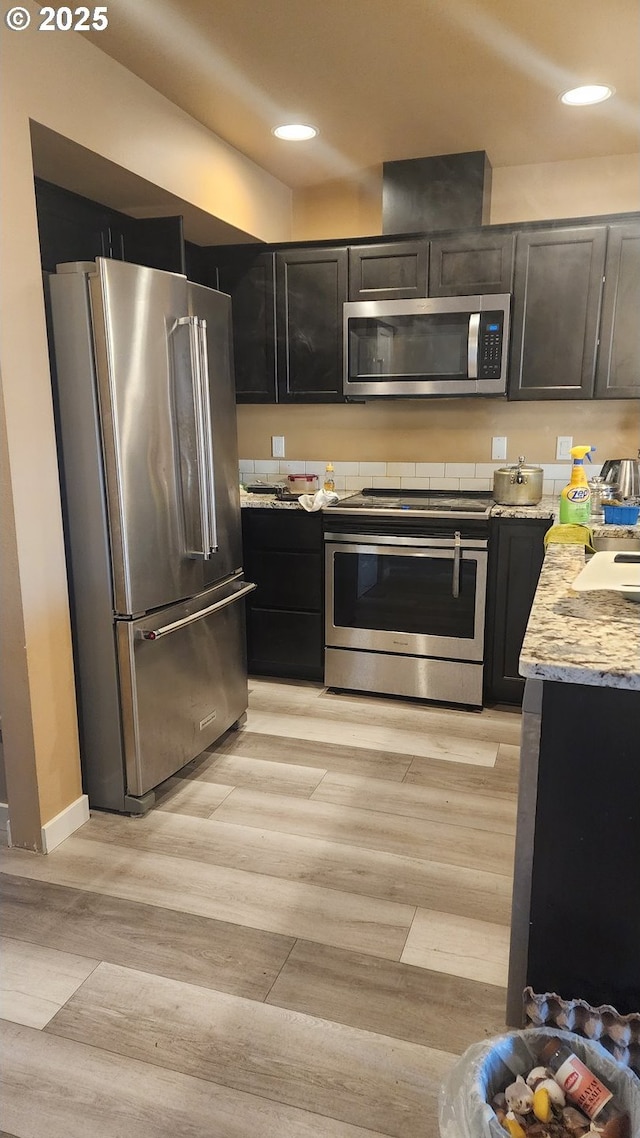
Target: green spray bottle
{"type": "Point", "coordinates": [575, 499]}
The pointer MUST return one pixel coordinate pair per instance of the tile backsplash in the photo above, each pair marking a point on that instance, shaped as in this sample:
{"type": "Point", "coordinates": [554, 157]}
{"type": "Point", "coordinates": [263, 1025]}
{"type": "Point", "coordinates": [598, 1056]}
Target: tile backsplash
{"type": "Point", "coordinates": [406, 475]}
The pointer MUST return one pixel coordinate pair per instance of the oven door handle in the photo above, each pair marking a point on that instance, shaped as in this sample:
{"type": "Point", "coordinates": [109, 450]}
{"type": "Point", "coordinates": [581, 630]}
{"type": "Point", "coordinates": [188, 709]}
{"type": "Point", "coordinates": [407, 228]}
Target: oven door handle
{"type": "Point", "coordinates": [455, 580]}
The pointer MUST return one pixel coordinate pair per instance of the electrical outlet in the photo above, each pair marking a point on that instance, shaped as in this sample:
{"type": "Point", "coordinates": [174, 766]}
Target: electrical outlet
{"type": "Point", "coordinates": [499, 448]}
{"type": "Point", "coordinates": [277, 446]}
{"type": "Point", "coordinates": [563, 448]}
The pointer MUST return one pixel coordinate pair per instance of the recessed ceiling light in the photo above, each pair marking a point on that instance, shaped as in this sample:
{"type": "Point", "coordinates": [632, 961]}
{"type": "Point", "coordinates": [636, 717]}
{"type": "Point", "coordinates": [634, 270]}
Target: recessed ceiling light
{"type": "Point", "coordinates": [295, 132]}
{"type": "Point", "coordinates": [583, 96]}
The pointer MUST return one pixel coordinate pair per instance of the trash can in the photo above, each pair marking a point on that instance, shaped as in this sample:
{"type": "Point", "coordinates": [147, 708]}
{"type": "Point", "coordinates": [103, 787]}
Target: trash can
{"type": "Point", "coordinates": [488, 1067]}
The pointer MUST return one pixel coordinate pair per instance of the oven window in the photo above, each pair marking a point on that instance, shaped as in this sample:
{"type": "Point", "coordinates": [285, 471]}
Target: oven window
{"type": "Point", "coordinates": [408, 347]}
{"type": "Point", "coordinates": [411, 594]}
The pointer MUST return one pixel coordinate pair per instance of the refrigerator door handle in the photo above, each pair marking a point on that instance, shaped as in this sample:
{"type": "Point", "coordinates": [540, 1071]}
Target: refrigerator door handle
{"type": "Point", "coordinates": [205, 390]}
{"type": "Point", "coordinates": [195, 354]}
{"type": "Point", "coordinates": [165, 630]}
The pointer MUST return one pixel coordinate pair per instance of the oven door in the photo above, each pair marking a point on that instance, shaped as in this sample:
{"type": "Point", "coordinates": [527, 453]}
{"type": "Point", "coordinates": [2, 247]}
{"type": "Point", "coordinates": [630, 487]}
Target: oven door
{"type": "Point", "coordinates": [409, 596]}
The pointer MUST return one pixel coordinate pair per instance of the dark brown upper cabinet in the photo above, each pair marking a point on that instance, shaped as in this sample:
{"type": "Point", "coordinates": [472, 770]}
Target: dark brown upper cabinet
{"type": "Point", "coordinates": [248, 277]}
{"type": "Point", "coordinates": [471, 263]}
{"type": "Point", "coordinates": [74, 228]}
{"type": "Point", "coordinates": [557, 291]}
{"type": "Point", "coordinates": [71, 228]}
{"type": "Point", "coordinates": [393, 270]}
{"type": "Point", "coordinates": [311, 288]}
{"type": "Point", "coordinates": [618, 367]}
{"type": "Point", "coordinates": [157, 242]}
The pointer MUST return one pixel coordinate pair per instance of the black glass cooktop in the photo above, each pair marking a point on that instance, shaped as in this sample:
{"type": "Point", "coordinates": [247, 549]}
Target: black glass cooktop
{"type": "Point", "coordinates": [475, 503]}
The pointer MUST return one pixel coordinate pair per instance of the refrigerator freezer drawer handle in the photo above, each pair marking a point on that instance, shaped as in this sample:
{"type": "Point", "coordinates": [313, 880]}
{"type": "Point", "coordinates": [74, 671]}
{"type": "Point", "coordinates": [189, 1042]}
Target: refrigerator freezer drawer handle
{"type": "Point", "coordinates": [201, 332]}
{"type": "Point", "coordinates": [472, 345]}
{"type": "Point", "coordinates": [158, 633]}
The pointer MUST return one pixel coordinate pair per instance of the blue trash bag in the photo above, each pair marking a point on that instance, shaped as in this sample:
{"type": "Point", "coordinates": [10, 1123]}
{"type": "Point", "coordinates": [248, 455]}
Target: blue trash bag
{"type": "Point", "coordinates": [488, 1067]}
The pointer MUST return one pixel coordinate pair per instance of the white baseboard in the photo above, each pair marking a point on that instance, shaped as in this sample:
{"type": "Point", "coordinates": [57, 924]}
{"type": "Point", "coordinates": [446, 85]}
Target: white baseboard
{"type": "Point", "coordinates": [65, 823]}
{"type": "Point", "coordinates": [4, 815]}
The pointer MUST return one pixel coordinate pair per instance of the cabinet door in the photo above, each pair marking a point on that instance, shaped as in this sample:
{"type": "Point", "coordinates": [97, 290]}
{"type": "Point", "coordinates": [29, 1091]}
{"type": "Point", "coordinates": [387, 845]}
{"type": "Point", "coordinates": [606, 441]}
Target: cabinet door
{"type": "Point", "coordinates": [287, 644]}
{"type": "Point", "coordinates": [248, 277]}
{"type": "Point", "coordinates": [71, 228]}
{"type": "Point", "coordinates": [618, 369]}
{"type": "Point", "coordinates": [516, 553]}
{"type": "Point", "coordinates": [557, 289]}
{"type": "Point", "coordinates": [472, 263]}
{"type": "Point", "coordinates": [282, 552]}
{"type": "Point", "coordinates": [394, 270]}
{"type": "Point", "coordinates": [157, 242]}
{"type": "Point", "coordinates": [311, 287]}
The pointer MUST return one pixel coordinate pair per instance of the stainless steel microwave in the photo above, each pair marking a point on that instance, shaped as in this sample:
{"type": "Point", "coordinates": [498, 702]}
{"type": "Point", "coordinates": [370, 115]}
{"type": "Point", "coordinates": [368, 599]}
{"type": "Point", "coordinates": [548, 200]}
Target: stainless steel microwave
{"type": "Point", "coordinates": [452, 345]}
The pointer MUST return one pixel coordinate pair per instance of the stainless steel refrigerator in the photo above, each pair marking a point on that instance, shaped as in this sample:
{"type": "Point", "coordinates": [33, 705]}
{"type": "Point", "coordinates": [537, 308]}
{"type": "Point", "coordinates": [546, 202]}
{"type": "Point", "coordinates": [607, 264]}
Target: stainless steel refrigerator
{"type": "Point", "coordinates": [146, 424]}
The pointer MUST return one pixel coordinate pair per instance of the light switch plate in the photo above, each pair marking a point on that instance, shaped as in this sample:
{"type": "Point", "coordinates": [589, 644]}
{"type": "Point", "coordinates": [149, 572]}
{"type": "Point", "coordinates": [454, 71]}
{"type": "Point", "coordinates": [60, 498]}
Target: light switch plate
{"type": "Point", "coordinates": [563, 448]}
{"type": "Point", "coordinates": [277, 446]}
{"type": "Point", "coordinates": [499, 448]}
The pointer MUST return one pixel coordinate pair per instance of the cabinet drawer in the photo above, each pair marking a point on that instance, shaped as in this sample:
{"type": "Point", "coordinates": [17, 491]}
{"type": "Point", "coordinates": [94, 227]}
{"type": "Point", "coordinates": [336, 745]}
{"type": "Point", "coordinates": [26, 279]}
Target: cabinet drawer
{"type": "Point", "coordinates": [474, 263]}
{"type": "Point", "coordinates": [390, 271]}
{"type": "Point", "coordinates": [285, 580]}
{"type": "Point", "coordinates": [285, 643]}
{"type": "Point", "coordinates": [281, 529]}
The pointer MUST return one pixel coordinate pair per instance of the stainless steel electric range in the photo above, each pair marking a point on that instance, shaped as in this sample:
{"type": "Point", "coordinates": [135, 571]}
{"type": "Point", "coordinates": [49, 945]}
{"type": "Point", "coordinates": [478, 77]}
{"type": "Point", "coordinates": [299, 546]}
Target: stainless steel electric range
{"type": "Point", "coordinates": [405, 593]}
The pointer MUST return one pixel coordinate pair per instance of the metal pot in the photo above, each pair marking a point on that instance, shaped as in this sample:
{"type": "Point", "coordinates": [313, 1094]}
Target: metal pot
{"type": "Point", "coordinates": [625, 473]}
{"type": "Point", "coordinates": [519, 485]}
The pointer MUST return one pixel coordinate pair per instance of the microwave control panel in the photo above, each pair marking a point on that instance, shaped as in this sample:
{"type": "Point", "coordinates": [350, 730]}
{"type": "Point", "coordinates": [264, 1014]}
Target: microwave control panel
{"type": "Point", "coordinates": [490, 345]}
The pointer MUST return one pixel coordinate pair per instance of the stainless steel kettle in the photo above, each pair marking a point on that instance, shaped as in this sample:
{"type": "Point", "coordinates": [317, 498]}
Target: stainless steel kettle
{"type": "Point", "coordinates": [625, 473]}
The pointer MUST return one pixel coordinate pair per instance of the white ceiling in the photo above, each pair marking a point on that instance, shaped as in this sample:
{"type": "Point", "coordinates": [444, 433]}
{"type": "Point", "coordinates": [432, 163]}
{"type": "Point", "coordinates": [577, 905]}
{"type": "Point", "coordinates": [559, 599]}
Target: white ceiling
{"type": "Point", "coordinates": [389, 79]}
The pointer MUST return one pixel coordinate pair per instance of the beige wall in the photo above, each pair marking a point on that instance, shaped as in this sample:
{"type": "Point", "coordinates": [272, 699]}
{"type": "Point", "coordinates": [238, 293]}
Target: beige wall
{"type": "Point", "coordinates": [340, 208]}
{"type": "Point", "coordinates": [566, 189]}
{"type": "Point", "coordinates": [68, 85]}
{"type": "Point", "coordinates": [439, 429]}
{"type": "Point", "coordinates": [353, 208]}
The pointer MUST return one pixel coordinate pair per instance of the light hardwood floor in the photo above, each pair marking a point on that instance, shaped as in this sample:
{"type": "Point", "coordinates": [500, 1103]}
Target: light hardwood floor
{"type": "Point", "coordinates": [296, 943]}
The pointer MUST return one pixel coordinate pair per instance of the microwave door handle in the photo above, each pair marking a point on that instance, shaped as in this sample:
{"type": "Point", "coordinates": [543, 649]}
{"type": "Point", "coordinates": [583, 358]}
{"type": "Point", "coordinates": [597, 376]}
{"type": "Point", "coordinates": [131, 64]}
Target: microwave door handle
{"type": "Point", "coordinates": [455, 580]}
{"type": "Point", "coordinates": [472, 345]}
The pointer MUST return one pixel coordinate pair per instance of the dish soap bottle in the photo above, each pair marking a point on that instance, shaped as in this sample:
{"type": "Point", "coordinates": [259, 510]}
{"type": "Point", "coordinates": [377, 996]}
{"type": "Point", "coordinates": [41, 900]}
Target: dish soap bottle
{"type": "Point", "coordinates": [329, 483]}
{"type": "Point", "coordinates": [575, 499]}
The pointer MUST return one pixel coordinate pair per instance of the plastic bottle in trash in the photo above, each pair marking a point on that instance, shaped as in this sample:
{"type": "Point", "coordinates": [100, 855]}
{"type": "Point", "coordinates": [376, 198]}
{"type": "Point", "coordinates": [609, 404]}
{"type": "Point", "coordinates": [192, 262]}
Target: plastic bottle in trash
{"type": "Point", "coordinates": [329, 483]}
{"type": "Point", "coordinates": [583, 1088]}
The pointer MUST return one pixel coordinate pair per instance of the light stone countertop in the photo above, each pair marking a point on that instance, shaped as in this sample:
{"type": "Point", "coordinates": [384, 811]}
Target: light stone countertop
{"type": "Point", "coordinates": [590, 638]}
{"type": "Point", "coordinates": [546, 508]}
{"type": "Point", "coordinates": [271, 502]}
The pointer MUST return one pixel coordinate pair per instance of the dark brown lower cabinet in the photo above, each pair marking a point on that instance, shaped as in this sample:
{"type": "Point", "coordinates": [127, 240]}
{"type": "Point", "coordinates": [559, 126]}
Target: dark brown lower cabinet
{"type": "Point", "coordinates": [282, 552]}
{"type": "Point", "coordinates": [516, 553]}
{"type": "Point", "coordinates": [576, 922]}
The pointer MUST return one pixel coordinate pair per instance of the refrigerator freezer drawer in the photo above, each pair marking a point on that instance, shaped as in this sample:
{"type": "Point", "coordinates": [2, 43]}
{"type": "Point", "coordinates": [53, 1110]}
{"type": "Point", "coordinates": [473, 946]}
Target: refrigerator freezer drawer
{"type": "Point", "coordinates": [183, 681]}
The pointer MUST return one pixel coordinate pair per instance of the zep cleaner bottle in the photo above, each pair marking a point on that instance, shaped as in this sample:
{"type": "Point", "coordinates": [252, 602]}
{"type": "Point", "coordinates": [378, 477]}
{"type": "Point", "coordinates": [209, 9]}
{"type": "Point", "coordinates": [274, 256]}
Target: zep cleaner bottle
{"type": "Point", "coordinates": [575, 499]}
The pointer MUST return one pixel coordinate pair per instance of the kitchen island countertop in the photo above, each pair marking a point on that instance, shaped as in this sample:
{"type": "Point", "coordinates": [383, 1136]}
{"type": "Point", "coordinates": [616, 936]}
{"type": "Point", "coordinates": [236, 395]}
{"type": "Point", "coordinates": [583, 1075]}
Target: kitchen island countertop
{"type": "Point", "coordinates": [590, 638]}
